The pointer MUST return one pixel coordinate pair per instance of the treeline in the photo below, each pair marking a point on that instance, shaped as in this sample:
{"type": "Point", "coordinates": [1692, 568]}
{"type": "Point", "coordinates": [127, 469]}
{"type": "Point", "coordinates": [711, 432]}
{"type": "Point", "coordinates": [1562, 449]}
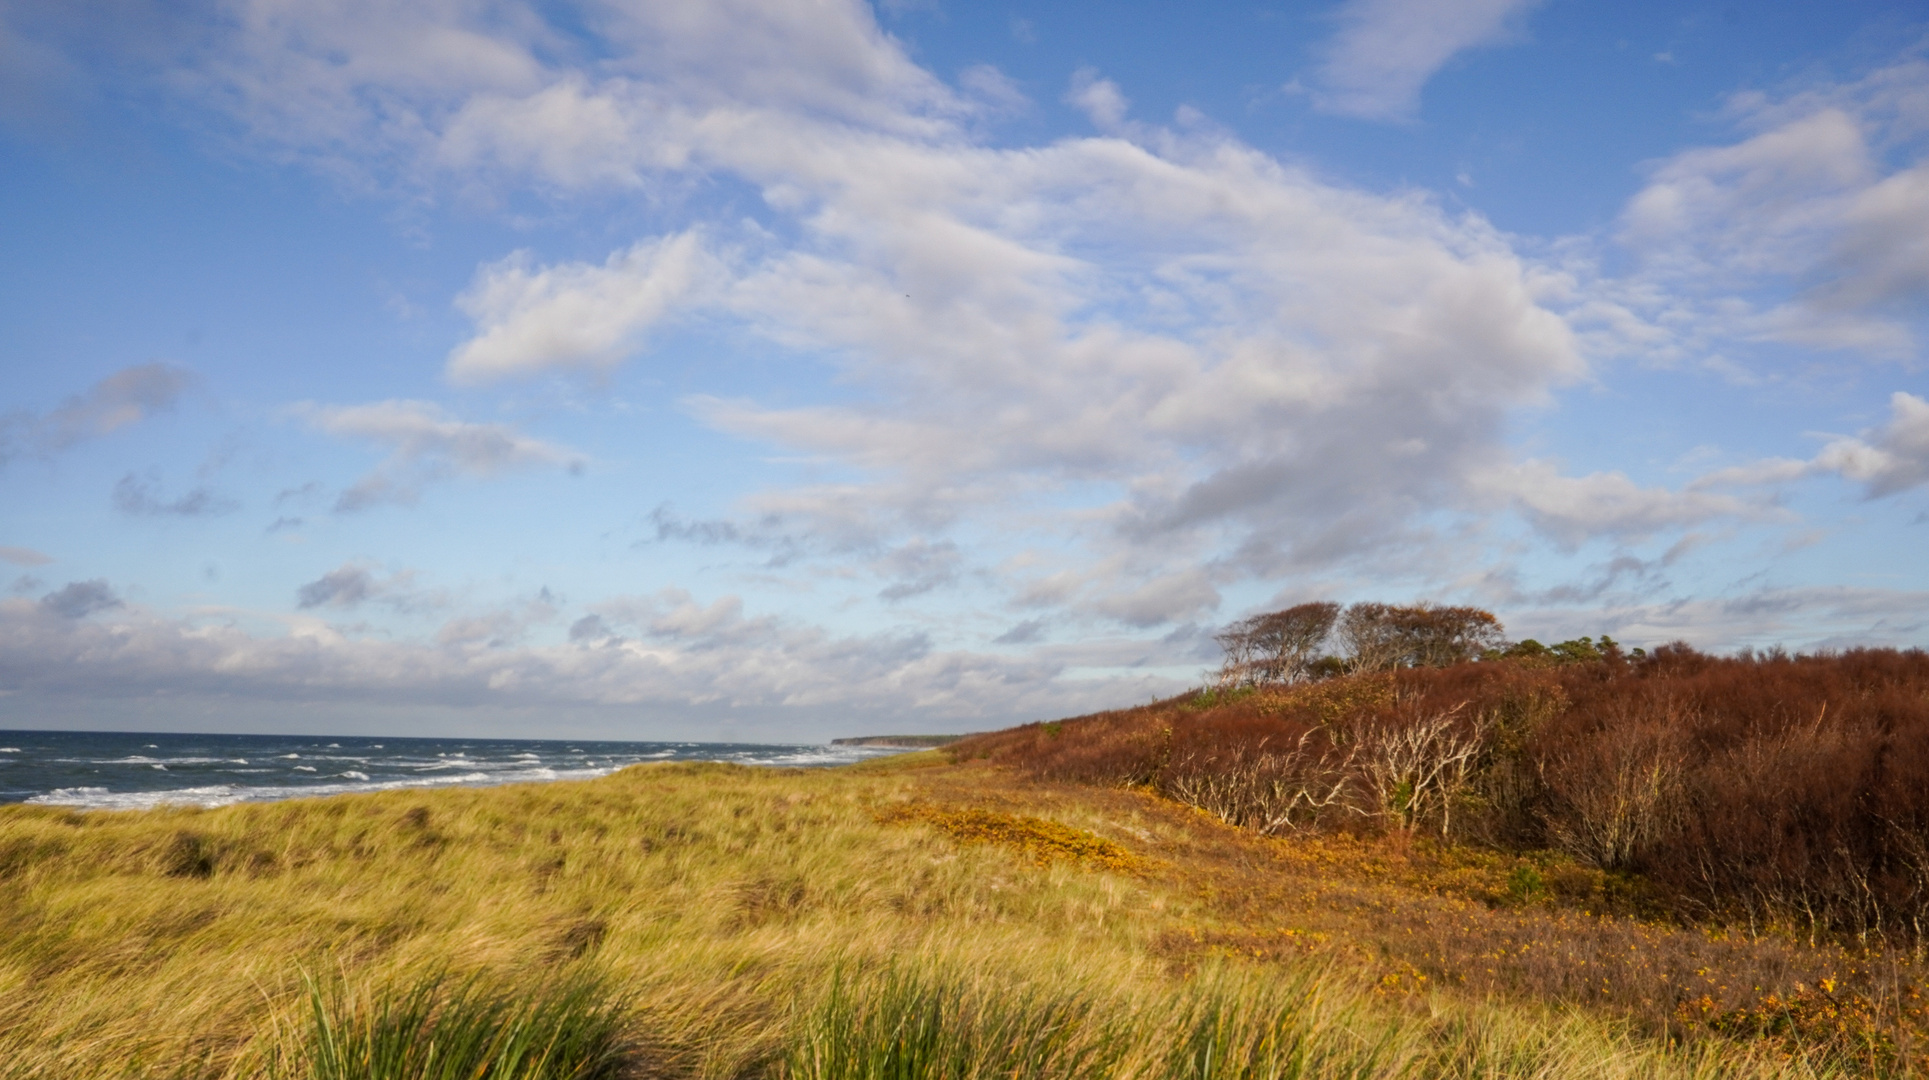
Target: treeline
{"type": "Point", "coordinates": [1760, 789]}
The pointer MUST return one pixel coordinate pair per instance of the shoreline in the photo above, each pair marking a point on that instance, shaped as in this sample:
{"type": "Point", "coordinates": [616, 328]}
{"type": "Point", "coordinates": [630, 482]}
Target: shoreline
{"type": "Point", "coordinates": [142, 770]}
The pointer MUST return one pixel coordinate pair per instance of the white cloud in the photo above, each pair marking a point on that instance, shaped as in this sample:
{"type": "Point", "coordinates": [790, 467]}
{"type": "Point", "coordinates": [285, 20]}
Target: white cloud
{"type": "Point", "coordinates": [574, 316]}
{"type": "Point", "coordinates": [686, 653]}
{"type": "Point", "coordinates": [1162, 362]}
{"type": "Point", "coordinates": [1894, 458]}
{"type": "Point", "coordinates": [1386, 50]}
{"type": "Point", "coordinates": [1099, 99]}
{"type": "Point", "coordinates": [385, 92]}
{"type": "Point", "coordinates": [1813, 231]}
{"type": "Point", "coordinates": [1164, 351]}
{"type": "Point", "coordinates": [426, 444]}
{"type": "Point", "coordinates": [1886, 461]}
{"type": "Point", "coordinates": [120, 400]}
{"type": "Point", "coordinates": [1574, 509]}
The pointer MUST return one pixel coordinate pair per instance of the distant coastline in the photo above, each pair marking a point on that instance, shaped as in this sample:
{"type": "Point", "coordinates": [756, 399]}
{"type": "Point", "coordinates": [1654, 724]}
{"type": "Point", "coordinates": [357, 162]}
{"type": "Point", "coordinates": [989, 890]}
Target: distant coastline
{"type": "Point", "coordinates": [899, 742]}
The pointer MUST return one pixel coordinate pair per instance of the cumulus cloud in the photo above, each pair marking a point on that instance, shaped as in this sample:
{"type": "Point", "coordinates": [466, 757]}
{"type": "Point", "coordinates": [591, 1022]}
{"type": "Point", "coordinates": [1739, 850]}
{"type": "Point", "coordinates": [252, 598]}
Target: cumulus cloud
{"type": "Point", "coordinates": [344, 586]}
{"type": "Point", "coordinates": [79, 599]}
{"type": "Point", "coordinates": [1886, 460]}
{"type": "Point", "coordinates": [141, 496]}
{"type": "Point", "coordinates": [573, 317]}
{"type": "Point", "coordinates": [1893, 458]}
{"type": "Point", "coordinates": [1574, 509]}
{"type": "Point", "coordinates": [122, 399]}
{"type": "Point", "coordinates": [426, 445]}
{"type": "Point", "coordinates": [353, 584]}
{"type": "Point", "coordinates": [1386, 50]}
{"type": "Point", "coordinates": [414, 93]}
{"type": "Point", "coordinates": [1813, 230]}
{"type": "Point", "coordinates": [1099, 99]}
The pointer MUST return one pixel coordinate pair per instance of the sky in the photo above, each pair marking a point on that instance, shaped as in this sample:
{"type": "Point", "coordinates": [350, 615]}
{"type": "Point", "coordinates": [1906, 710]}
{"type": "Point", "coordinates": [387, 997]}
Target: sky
{"type": "Point", "coordinates": [777, 370]}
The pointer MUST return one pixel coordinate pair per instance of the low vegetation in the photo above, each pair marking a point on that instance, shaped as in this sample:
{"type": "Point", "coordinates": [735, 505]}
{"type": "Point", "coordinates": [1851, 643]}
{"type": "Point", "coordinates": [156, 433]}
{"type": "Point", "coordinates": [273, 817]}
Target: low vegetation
{"type": "Point", "coordinates": [1544, 865]}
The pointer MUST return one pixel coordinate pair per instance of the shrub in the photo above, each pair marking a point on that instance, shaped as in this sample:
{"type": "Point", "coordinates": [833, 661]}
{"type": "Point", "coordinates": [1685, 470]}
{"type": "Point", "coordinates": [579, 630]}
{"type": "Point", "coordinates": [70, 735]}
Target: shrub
{"type": "Point", "coordinates": [1767, 789]}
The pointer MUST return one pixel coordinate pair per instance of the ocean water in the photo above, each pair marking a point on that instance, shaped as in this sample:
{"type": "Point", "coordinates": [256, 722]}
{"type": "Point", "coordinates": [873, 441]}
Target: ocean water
{"type": "Point", "coordinates": [117, 771]}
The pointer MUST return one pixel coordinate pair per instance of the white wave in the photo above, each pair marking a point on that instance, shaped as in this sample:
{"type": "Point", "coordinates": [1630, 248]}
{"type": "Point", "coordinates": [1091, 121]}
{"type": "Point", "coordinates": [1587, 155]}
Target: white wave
{"type": "Point", "coordinates": [158, 765]}
{"type": "Point", "coordinates": [100, 798]}
{"type": "Point", "coordinates": [816, 755]}
{"type": "Point", "coordinates": [9, 749]}
{"type": "Point", "coordinates": [447, 769]}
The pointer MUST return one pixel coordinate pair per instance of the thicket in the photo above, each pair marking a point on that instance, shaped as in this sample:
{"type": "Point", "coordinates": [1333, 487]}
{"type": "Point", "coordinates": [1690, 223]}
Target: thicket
{"type": "Point", "coordinates": [1760, 790]}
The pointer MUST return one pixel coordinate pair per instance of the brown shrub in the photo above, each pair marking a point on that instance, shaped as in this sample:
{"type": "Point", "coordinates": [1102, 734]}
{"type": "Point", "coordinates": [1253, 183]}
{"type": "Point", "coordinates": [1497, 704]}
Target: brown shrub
{"type": "Point", "coordinates": [1765, 789]}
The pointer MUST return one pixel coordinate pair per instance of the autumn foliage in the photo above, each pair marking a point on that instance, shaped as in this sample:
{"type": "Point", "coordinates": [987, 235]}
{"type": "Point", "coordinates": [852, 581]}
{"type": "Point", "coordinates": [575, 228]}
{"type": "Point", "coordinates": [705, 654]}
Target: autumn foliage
{"type": "Point", "coordinates": [1760, 791]}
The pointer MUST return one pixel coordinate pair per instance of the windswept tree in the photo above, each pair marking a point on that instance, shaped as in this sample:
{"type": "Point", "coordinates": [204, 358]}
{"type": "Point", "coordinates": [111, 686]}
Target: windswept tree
{"type": "Point", "coordinates": [1371, 637]}
{"type": "Point", "coordinates": [1281, 647]}
{"type": "Point", "coordinates": [1276, 647]}
{"type": "Point", "coordinates": [1377, 637]}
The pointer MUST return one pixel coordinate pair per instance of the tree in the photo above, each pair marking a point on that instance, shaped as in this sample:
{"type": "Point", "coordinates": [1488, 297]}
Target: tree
{"type": "Point", "coordinates": [1382, 636]}
{"type": "Point", "coordinates": [1276, 647]}
{"type": "Point", "coordinates": [1371, 637]}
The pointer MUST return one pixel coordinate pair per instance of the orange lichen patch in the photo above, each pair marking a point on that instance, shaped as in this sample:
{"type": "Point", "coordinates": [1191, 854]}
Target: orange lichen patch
{"type": "Point", "coordinates": [1044, 842]}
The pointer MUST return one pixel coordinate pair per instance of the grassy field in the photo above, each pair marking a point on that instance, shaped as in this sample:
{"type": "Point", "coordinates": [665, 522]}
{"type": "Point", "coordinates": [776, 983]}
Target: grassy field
{"type": "Point", "coordinates": [910, 918]}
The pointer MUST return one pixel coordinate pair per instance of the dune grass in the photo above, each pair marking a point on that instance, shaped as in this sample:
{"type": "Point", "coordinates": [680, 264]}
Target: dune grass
{"type": "Point", "coordinates": [436, 1029]}
{"type": "Point", "coordinates": [907, 919]}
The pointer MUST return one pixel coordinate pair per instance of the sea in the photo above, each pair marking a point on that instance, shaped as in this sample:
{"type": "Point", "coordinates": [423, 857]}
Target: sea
{"type": "Point", "coordinates": [122, 771]}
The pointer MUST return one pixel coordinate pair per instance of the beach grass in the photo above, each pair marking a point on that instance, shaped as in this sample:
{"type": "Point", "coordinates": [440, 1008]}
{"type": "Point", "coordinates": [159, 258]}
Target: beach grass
{"type": "Point", "coordinates": [908, 918]}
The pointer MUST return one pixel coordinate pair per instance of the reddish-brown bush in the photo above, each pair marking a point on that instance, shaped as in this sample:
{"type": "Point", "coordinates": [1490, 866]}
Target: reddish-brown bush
{"type": "Point", "coordinates": [1765, 789]}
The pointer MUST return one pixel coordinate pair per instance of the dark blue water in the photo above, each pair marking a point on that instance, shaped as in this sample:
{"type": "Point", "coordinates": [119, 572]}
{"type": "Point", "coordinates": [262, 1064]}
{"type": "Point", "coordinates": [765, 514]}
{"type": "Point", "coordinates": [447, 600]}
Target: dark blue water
{"type": "Point", "coordinates": [133, 771]}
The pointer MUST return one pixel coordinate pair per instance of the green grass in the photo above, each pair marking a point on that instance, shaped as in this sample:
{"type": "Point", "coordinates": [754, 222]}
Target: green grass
{"type": "Point", "coordinates": [442, 1029]}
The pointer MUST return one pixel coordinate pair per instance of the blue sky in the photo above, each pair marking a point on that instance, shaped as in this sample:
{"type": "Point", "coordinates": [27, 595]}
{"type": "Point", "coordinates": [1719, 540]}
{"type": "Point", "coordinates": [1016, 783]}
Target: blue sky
{"type": "Point", "coordinates": [784, 369]}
